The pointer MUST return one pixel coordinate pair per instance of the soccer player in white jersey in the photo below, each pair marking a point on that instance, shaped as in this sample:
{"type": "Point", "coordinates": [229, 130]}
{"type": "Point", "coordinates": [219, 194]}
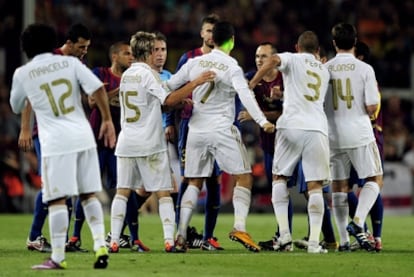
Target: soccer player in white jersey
{"type": "Point", "coordinates": [302, 134]}
{"type": "Point", "coordinates": [142, 157]}
{"type": "Point", "coordinates": [353, 97]}
{"type": "Point", "coordinates": [52, 84]}
{"type": "Point", "coordinates": [212, 135]}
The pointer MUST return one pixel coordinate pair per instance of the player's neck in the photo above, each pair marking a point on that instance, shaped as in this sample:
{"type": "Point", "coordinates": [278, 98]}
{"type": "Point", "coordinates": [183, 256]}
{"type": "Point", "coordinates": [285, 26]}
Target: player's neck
{"type": "Point", "coordinates": [270, 76]}
{"type": "Point", "coordinates": [116, 70]}
{"type": "Point", "coordinates": [157, 68]}
{"type": "Point", "coordinates": [205, 49]}
{"type": "Point", "coordinates": [65, 50]}
{"type": "Point", "coordinates": [342, 51]}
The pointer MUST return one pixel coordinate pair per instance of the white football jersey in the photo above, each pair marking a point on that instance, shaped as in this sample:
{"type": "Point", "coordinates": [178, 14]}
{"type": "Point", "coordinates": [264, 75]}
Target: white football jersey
{"type": "Point", "coordinates": [214, 102]}
{"type": "Point", "coordinates": [353, 86]}
{"type": "Point", "coordinates": [52, 85]}
{"type": "Point", "coordinates": [306, 81]}
{"type": "Point", "coordinates": [141, 95]}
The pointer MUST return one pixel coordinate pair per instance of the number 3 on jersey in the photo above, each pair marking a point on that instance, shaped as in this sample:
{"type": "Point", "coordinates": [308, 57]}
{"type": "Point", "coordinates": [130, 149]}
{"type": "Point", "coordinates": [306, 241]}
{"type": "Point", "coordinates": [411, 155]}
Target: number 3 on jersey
{"type": "Point", "coordinates": [338, 93]}
{"type": "Point", "coordinates": [61, 101]}
{"type": "Point", "coordinates": [127, 104]}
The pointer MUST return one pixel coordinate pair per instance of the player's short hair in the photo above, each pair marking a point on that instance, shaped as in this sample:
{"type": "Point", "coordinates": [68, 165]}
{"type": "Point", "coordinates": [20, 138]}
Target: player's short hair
{"type": "Point", "coordinates": [160, 36]}
{"type": "Point", "coordinates": [272, 46]}
{"type": "Point", "coordinates": [344, 35]}
{"type": "Point", "coordinates": [362, 49]}
{"type": "Point", "coordinates": [38, 38]}
{"type": "Point", "coordinates": [116, 47]}
{"type": "Point", "coordinates": [308, 42]}
{"type": "Point", "coordinates": [77, 31]}
{"type": "Point", "coordinates": [211, 19]}
{"type": "Point", "coordinates": [142, 44]}
{"type": "Point", "coordinates": [222, 32]}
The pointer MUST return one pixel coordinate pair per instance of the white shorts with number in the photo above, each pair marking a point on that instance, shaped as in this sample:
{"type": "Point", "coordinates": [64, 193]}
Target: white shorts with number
{"type": "Point", "coordinates": [223, 146]}
{"type": "Point", "coordinates": [312, 147]}
{"type": "Point", "coordinates": [151, 172]}
{"type": "Point", "coordinates": [365, 159]}
{"type": "Point", "coordinates": [70, 174]}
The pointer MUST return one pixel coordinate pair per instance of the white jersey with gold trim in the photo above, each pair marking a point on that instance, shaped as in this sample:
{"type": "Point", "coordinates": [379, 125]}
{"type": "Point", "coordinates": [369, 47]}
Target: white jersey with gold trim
{"type": "Point", "coordinates": [353, 87]}
{"type": "Point", "coordinates": [52, 84]}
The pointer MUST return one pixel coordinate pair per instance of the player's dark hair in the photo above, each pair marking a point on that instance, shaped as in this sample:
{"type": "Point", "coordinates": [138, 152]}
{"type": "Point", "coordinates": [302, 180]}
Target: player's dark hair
{"type": "Point", "coordinates": [160, 36]}
{"type": "Point", "coordinates": [344, 35]}
{"type": "Point", "coordinates": [222, 32]}
{"type": "Point", "coordinates": [38, 38]}
{"type": "Point", "coordinates": [272, 46]}
{"type": "Point", "coordinates": [116, 47]}
{"type": "Point", "coordinates": [362, 49]}
{"type": "Point", "coordinates": [77, 31]}
{"type": "Point", "coordinates": [211, 19]}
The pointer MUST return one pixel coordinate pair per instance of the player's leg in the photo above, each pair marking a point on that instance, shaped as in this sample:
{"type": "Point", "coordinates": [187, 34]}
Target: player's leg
{"type": "Point", "coordinates": [74, 242]}
{"type": "Point", "coordinates": [89, 183]}
{"type": "Point", "coordinates": [329, 240]}
{"type": "Point", "coordinates": [377, 214]}
{"type": "Point", "coordinates": [212, 208]}
{"type": "Point", "coordinates": [128, 175]}
{"type": "Point", "coordinates": [182, 142]}
{"type": "Point", "coordinates": [231, 156]}
{"type": "Point", "coordinates": [36, 241]}
{"type": "Point", "coordinates": [367, 163]}
{"type": "Point", "coordinates": [135, 202]}
{"type": "Point", "coordinates": [62, 173]}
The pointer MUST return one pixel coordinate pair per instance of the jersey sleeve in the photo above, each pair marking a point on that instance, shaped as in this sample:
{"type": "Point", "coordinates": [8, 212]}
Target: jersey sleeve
{"type": "Point", "coordinates": [371, 88]}
{"type": "Point", "coordinates": [17, 94]}
{"type": "Point", "coordinates": [178, 79]}
{"type": "Point", "coordinates": [247, 97]}
{"type": "Point", "coordinates": [284, 61]}
{"type": "Point", "coordinates": [88, 81]}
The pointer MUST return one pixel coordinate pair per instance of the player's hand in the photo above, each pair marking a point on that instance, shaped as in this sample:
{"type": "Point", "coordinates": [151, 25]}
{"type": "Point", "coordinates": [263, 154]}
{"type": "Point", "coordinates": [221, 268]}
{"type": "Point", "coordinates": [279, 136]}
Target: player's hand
{"type": "Point", "coordinates": [187, 101]}
{"type": "Point", "coordinates": [269, 127]}
{"type": "Point", "coordinates": [107, 132]}
{"type": "Point", "coordinates": [25, 140]}
{"type": "Point", "coordinates": [276, 93]}
{"type": "Point", "coordinates": [244, 116]}
{"type": "Point", "coordinates": [170, 133]}
{"type": "Point", "coordinates": [207, 76]}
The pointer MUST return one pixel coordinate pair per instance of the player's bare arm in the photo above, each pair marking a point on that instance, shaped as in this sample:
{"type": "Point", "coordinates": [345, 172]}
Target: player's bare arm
{"type": "Point", "coordinates": [25, 137]}
{"type": "Point", "coordinates": [268, 65]}
{"type": "Point", "coordinates": [107, 130]}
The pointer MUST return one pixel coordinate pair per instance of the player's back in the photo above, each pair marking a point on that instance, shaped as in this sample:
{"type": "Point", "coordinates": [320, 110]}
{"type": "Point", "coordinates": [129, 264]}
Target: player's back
{"type": "Point", "coordinates": [141, 96]}
{"type": "Point", "coordinates": [353, 86]}
{"type": "Point", "coordinates": [52, 86]}
{"type": "Point", "coordinates": [214, 102]}
{"type": "Point", "coordinates": [305, 81]}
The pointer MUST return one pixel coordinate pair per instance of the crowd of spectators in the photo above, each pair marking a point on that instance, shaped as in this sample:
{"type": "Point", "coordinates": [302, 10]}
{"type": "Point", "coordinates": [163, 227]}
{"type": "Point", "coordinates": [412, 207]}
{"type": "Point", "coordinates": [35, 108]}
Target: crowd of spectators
{"type": "Point", "coordinates": [384, 25]}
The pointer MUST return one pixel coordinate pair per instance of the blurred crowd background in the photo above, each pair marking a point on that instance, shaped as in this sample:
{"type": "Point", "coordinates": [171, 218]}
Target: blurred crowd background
{"type": "Point", "coordinates": [386, 26]}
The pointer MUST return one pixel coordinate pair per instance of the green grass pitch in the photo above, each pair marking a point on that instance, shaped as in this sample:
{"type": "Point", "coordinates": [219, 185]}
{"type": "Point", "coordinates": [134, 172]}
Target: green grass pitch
{"type": "Point", "coordinates": [396, 259]}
